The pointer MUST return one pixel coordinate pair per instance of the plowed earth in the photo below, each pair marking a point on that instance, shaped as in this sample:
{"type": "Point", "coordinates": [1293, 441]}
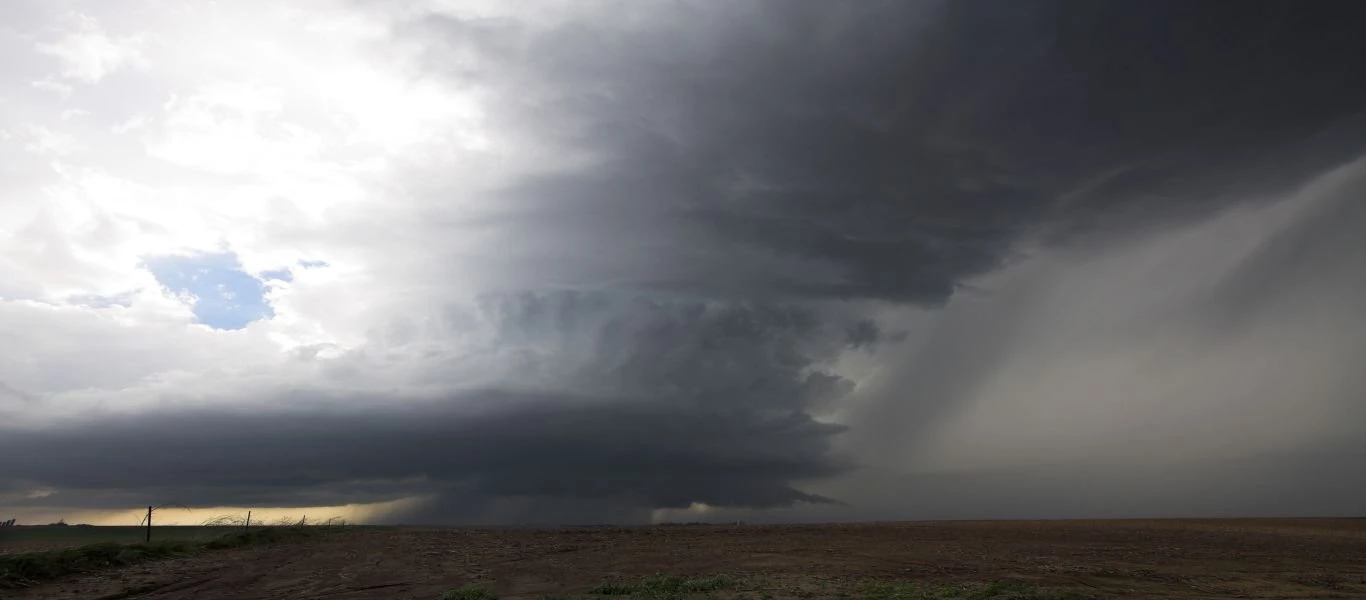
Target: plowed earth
{"type": "Point", "coordinates": [1309, 558]}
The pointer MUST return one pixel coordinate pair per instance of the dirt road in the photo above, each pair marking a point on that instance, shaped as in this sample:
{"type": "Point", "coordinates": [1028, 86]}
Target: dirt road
{"type": "Point", "coordinates": [1316, 558]}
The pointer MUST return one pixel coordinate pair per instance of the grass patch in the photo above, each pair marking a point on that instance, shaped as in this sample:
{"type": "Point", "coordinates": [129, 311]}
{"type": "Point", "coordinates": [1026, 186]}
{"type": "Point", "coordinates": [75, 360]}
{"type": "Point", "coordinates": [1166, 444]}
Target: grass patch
{"type": "Point", "coordinates": [81, 535]}
{"type": "Point", "coordinates": [674, 587]}
{"type": "Point", "coordinates": [996, 590]}
{"type": "Point", "coordinates": [264, 535]}
{"type": "Point", "coordinates": [666, 586]}
{"type": "Point", "coordinates": [470, 592]}
{"type": "Point", "coordinates": [18, 570]}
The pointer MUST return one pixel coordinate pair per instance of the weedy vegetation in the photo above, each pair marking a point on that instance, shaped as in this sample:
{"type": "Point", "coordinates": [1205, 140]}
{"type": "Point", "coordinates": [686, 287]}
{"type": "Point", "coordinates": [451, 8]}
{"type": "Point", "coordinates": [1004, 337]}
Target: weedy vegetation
{"type": "Point", "coordinates": [996, 590]}
{"type": "Point", "coordinates": [666, 586]}
{"type": "Point", "coordinates": [25, 569]}
{"type": "Point", "coordinates": [726, 587]}
{"type": "Point", "coordinates": [470, 592]}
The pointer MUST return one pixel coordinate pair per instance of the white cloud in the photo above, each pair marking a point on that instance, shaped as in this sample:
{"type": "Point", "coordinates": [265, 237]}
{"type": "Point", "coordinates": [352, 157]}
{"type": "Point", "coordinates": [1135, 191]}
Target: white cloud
{"type": "Point", "coordinates": [278, 133]}
{"type": "Point", "coordinates": [89, 54]}
{"type": "Point", "coordinates": [61, 89]}
{"type": "Point", "coordinates": [132, 124]}
{"type": "Point", "coordinates": [233, 128]}
{"type": "Point", "coordinates": [47, 142]}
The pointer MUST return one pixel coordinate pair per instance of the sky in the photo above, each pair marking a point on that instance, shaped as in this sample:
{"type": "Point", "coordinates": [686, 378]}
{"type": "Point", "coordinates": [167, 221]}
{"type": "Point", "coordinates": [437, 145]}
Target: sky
{"type": "Point", "coordinates": [485, 262]}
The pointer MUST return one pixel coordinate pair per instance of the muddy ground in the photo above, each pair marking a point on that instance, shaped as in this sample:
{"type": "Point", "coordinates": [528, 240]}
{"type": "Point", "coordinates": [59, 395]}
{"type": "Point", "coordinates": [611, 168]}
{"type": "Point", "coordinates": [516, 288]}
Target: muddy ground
{"type": "Point", "coordinates": [1315, 558]}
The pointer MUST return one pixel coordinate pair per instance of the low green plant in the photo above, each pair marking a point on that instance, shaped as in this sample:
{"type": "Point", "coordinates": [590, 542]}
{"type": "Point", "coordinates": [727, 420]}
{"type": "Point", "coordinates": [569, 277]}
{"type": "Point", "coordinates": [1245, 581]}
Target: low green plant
{"type": "Point", "coordinates": [36, 566]}
{"type": "Point", "coordinates": [893, 590]}
{"type": "Point", "coordinates": [22, 569]}
{"type": "Point", "coordinates": [258, 536]}
{"type": "Point", "coordinates": [470, 592]}
{"type": "Point", "coordinates": [666, 586]}
{"type": "Point", "coordinates": [996, 590]}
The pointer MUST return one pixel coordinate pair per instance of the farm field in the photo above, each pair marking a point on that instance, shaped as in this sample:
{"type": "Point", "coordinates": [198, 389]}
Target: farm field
{"type": "Point", "coordinates": [1261, 558]}
{"type": "Point", "coordinates": [48, 537]}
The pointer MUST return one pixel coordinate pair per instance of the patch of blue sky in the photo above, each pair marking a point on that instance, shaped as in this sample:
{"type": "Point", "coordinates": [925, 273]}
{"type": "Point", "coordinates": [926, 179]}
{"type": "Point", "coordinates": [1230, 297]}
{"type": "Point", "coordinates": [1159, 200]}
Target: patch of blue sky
{"type": "Point", "coordinates": [225, 296]}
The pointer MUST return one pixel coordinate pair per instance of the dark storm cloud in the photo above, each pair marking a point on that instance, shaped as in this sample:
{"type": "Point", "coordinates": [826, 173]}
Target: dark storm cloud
{"type": "Point", "coordinates": [1317, 260]}
{"type": "Point", "coordinates": [734, 168]}
{"type": "Point", "coordinates": [557, 446]}
{"type": "Point", "coordinates": [657, 404]}
{"type": "Point", "coordinates": [891, 149]}
{"type": "Point", "coordinates": [1281, 483]}
{"type": "Point", "coordinates": [796, 151]}
{"type": "Point", "coordinates": [1222, 355]}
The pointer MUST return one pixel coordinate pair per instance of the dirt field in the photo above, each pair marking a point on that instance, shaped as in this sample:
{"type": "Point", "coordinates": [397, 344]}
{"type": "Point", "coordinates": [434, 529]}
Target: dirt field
{"type": "Point", "coordinates": [1135, 559]}
{"type": "Point", "coordinates": [47, 537]}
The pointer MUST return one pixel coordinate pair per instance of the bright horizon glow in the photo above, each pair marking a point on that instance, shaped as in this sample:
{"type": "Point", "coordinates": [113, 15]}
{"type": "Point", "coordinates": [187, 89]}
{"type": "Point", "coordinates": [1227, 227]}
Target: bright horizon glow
{"type": "Point", "coordinates": [178, 516]}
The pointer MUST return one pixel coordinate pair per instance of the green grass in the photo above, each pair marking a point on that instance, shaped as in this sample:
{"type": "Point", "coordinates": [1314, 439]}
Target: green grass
{"type": "Point", "coordinates": [23, 569]}
{"type": "Point", "coordinates": [996, 590]}
{"type": "Point", "coordinates": [85, 534]}
{"type": "Point", "coordinates": [37, 566]}
{"type": "Point", "coordinates": [470, 592]}
{"type": "Point", "coordinates": [258, 536]}
{"type": "Point", "coordinates": [666, 586]}
{"type": "Point", "coordinates": [674, 587]}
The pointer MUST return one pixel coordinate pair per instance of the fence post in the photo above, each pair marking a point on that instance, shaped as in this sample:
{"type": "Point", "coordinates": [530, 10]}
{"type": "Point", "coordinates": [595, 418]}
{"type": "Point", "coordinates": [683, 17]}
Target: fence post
{"type": "Point", "coordinates": [149, 524]}
{"type": "Point", "coordinates": [247, 527]}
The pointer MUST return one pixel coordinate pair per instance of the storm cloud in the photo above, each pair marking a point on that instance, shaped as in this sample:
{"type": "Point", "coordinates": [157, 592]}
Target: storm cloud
{"type": "Point", "coordinates": [585, 262]}
{"type": "Point", "coordinates": [634, 403]}
{"type": "Point", "coordinates": [883, 150]}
